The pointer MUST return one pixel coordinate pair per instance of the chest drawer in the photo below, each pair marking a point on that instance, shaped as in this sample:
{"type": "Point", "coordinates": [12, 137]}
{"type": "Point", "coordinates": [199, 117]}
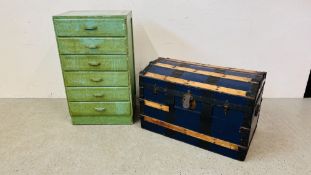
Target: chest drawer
{"type": "Point", "coordinates": [90, 27]}
{"type": "Point", "coordinates": [94, 62]}
{"type": "Point", "coordinates": [97, 94]}
{"type": "Point", "coordinates": [92, 45]}
{"type": "Point", "coordinates": [84, 78]}
{"type": "Point", "coordinates": [99, 108]}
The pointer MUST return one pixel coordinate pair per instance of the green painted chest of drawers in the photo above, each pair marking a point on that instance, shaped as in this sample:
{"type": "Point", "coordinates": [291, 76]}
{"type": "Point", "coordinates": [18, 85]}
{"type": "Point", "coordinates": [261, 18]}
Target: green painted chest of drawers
{"type": "Point", "coordinates": [97, 59]}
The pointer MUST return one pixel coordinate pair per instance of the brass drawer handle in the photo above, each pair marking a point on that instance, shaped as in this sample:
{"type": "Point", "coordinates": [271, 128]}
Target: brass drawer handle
{"type": "Point", "coordinates": [96, 79]}
{"type": "Point", "coordinates": [100, 109]}
{"type": "Point", "coordinates": [90, 27]}
{"type": "Point", "coordinates": [98, 95]}
{"type": "Point", "coordinates": [94, 63]}
{"type": "Point", "coordinates": [92, 47]}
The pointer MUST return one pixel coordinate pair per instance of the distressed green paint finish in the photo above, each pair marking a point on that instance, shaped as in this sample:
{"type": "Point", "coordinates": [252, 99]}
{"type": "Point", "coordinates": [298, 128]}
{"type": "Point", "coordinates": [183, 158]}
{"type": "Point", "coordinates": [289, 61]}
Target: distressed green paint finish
{"type": "Point", "coordinates": [99, 108]}
{"type": "Point", "coordinates": [87, 78]}
{"type": "Point", "coordinates": [76, 45]}
{"type": "Point", "coordinates": [94, 62]}
{"type": "Point", "coordinates": [131, 59]}
{"type": "Point", "coordinates": [98, 94]}
{"type": "Point", "coordinates": [90, 27]}
{"type": "Point", "coordinates": [107, 120]}
{"type": "Point", "coordinates": [95, 14]}
{"type": "Point", "coordinates": [96, 53]}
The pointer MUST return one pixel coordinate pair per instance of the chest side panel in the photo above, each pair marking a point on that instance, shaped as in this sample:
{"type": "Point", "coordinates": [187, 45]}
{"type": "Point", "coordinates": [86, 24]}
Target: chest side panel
{"type": "Point", "coordinates": [131, 60]}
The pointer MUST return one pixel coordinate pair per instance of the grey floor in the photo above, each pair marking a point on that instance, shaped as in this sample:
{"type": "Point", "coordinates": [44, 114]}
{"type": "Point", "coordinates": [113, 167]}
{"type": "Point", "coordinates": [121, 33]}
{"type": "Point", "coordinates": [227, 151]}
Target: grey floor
{"type": "Point", "coordinates": [36, 137]}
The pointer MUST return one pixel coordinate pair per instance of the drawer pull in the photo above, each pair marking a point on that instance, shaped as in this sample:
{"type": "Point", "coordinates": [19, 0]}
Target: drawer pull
{"type": "Point", "coordinates": [96, 79]}
{"type": "Point", "coordinates": [98, 95]}
{"type": "Point", "coordinates": [92, 47]}
{"type": "Point", "coordinates": [100, 109]}
{"type": "Point", "coordinates": [94, 63]}
{"type": "Point", "coordinates": [90, 27]}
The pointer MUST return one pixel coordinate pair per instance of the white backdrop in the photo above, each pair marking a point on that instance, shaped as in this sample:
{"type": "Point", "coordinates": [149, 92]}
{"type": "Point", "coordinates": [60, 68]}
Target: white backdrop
{"type": "Point", "coordinates": [269, 35]}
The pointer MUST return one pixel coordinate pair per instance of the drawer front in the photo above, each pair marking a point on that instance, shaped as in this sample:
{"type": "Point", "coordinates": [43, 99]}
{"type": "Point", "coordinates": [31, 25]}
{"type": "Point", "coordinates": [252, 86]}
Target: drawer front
{"type": "Point", "coordinates": [92, 45]}
{"type": "Point", "coordinates": [90, 27]}
{"type": "Point", "coordinates": [99, 108]}
{"type": "Point", "coordinates": [96, 78]}
{"type": "Point", "coordinates": [94, 62]}
{"type": "Point", "coordinates": [98, 94]}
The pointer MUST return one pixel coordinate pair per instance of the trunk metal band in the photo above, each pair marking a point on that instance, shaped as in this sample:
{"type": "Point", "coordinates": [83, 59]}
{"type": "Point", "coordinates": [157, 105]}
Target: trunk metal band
{"type": "Point", "coordinates": [194, 134]}
{"type": "Point", "coordinates": [215, 88]}
{"type": "Point", "coordinates": [208, 73]}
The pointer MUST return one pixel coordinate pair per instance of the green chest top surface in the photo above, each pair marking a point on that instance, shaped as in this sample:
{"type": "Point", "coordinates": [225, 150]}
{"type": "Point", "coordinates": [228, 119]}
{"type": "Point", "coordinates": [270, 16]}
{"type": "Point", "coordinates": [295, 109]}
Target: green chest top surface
{"type": "Point", "coordinates": [97, 60]}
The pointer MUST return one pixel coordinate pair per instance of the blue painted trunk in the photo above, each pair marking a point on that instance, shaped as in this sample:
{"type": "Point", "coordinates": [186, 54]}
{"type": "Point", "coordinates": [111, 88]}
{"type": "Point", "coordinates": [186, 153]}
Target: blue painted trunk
{"type": "Point", "coordinates": [212, 110]}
